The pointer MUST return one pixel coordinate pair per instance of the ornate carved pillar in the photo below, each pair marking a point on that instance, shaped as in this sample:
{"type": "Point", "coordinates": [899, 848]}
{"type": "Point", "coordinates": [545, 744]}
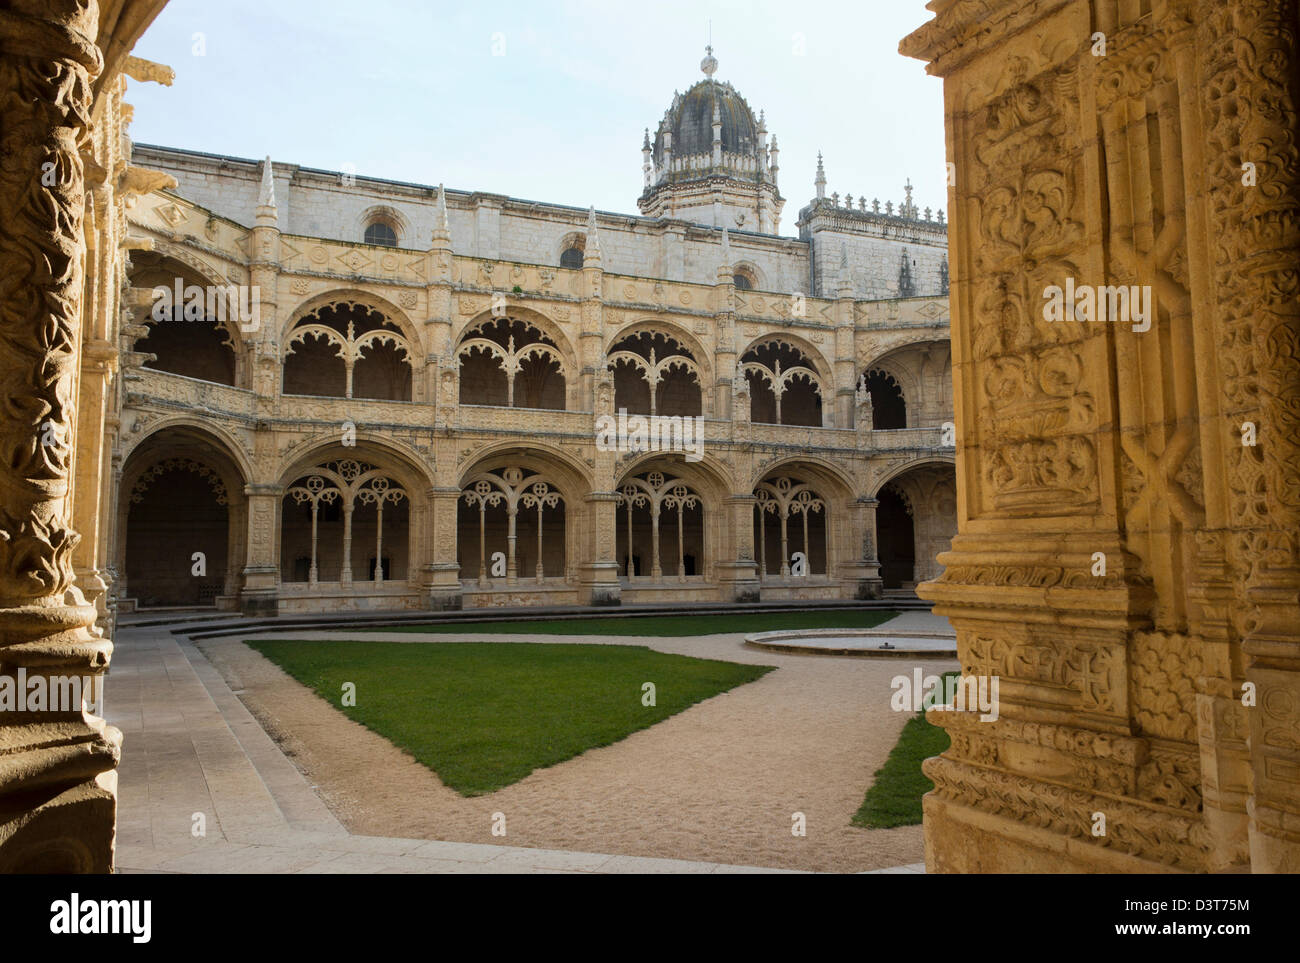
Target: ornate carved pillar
{"type": "Point", "coordinates": [262, 573]}
{"type": "Point", "coordinates": [57, 778]}
{"type": "Point", "coordinates": [837, 410]}
{"type": "Point", "coordinates": [864, 569]}
{"type": "Point", "coordinates": [599, 584]}
{"type": "Point", "coordinates": [724, 352]}
{"type": "Point", "coordinates": [1125, 559]}
{"type": "Point", "coordinates": [591, 320]}
{"type": "Point", "coordinates": [599, 580]}
{"type": "Point", "coordinates": [442, 587]}
{"type": "Point", "coordinates": [1241, 71]}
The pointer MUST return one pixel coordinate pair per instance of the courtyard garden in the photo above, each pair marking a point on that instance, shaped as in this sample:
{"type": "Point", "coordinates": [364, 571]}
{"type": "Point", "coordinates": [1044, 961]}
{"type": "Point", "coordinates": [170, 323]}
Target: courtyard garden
{"type": "Point", "coordinates": [485, 715]}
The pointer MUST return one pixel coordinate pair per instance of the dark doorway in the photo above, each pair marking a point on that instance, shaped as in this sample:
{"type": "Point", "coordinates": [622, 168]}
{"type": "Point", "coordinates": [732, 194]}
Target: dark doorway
{"type": "Point", "coordinates": [897, 539]}
{"type": "Point", "coordinates": [177, 517]}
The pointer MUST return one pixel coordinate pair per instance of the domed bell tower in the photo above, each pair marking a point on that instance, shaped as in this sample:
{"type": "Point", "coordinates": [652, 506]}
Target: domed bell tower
{"type": "Point", "coordinates": [710, 161]}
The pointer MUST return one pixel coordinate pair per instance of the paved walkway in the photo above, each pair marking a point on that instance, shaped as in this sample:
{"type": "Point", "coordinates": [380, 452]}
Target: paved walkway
{"type": "Point", "coordinates": [194, 755]}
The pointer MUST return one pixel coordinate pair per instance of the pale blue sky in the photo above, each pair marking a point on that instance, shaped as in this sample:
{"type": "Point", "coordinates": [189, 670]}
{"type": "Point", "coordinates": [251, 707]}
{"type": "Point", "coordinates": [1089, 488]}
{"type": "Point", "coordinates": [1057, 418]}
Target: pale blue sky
{"type": "Point", "coordinates": [411, 90]}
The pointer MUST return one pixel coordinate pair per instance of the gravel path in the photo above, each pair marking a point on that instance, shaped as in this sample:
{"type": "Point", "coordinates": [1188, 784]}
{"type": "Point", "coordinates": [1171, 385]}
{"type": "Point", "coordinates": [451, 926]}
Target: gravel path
{"type": "Point", "coordinates": [718, 782]}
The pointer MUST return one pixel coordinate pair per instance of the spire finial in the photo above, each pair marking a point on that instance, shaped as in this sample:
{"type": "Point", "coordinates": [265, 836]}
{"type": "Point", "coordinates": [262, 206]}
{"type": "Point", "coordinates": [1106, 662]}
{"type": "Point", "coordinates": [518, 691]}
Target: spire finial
{"type": "Point", "coordinates": [266, 197]}
{"type": "Point", "coordinates": [820, 181]}
{"type": "Point", "coordinates": [591, 250]}
{"type": "Point", "coordinates": [442, 209]}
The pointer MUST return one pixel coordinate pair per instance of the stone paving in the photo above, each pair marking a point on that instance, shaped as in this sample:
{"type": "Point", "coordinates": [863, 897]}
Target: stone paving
{"type": "Point", "coordinates": [193, 751]}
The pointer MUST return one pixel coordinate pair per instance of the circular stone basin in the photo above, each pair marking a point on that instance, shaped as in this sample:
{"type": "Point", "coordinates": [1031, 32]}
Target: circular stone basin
{"type": "Point", "coordinates": [861, 642]}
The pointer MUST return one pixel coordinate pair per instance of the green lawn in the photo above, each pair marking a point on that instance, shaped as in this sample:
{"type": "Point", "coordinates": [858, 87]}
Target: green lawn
{"type": "Point", "coordinates": [894, 799]}
{"type": "Point", "coordinates": [667, 625]}
{"type": "Point", "coordinates": [483, 715]}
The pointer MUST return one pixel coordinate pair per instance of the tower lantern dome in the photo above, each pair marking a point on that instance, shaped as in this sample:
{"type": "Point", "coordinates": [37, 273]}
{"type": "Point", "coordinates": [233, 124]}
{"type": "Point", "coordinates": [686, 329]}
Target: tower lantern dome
{"type": "Point", "coordinates": [710, 160]}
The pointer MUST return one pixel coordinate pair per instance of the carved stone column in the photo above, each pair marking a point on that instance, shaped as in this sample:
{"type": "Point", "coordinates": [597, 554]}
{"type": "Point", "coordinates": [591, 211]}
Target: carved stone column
{"type": "Point", "coordinates": [57, 778]}
{"type": "Point", "coordinates": [738, 568]}
{"type": "Point", "coordinates": [1127, 561]}
{"type": "Point", "coordinates": [866, 568]}
{"type": "Point", "coordinates": [599, 583]}
{"type": "Point", "coordinates": [598, 568]}
{"type": "Point", "coordinates": [442, 585]}
{"type": "Point", "coordinates": [262, 572]}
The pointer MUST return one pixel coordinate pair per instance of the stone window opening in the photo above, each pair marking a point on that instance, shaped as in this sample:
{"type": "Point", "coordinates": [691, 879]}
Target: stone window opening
{"type": "Point", "coordinates": [380, 232]}
{"type": "Point", "coordinates": [888, 404]}
{"type": "Point", "coordinates": [520, 510]}
{"type": "Point", "coordinates": [655, 375]}
{"type": "Point", "coordinates": [784, 387]}
{"type": "Point", "coordinates": [779, 501]}
{"type": "Point", "coordinates": [745, 277]}
{"type": "Point", "coordinates": [347, 485]}
{"type": "Point", "coordinates": [202, 346]}
{"type": "Point", "coordinates": [348, 350]}
{"type": "Point", "coordinates": [506, 362]}
{"type": "Point", "coordinates": [644, 500]}
{"type": "Point", "coordinates": [573, 249]}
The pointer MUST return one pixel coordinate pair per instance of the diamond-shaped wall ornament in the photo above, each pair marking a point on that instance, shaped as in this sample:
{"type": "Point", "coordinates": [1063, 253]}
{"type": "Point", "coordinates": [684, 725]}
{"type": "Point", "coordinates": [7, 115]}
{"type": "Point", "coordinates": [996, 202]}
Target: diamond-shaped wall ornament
{"type": "Point", "coordinates": [355, 260]}
{"type": "Point", "coordinates": [173, 214]}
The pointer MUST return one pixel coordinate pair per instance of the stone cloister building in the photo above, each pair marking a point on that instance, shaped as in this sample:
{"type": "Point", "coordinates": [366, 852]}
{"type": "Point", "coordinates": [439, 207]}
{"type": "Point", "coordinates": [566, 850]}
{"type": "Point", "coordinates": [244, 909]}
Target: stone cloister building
{"type": "Point", "coordinates": [414, 418]}
{"type": "Point", "coordinates": [1160, 692]}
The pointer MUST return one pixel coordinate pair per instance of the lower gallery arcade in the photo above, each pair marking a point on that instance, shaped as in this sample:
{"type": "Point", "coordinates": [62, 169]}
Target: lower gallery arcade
{"type": "Point", "coordinates": [369, 526]}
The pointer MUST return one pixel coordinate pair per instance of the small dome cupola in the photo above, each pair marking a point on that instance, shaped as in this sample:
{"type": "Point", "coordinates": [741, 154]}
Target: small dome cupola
{"type": "Point", "coordinates": [710, 143]}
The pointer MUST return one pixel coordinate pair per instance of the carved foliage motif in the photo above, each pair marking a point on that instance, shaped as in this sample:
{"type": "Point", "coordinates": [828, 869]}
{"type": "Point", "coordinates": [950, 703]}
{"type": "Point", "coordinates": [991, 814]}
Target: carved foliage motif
{"type": "Point", "coordinates": [41, 260]}
{"type": "Point", "coordinates": [1138, 831]}
{"type": "Point", "coordinates": [1036, 406]}
{"type": "Point", "coordinates": [1162, 684]}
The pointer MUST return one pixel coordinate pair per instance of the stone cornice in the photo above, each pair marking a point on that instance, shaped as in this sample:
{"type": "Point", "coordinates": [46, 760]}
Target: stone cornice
{"type": "Point", "coordinates": [964, 29]}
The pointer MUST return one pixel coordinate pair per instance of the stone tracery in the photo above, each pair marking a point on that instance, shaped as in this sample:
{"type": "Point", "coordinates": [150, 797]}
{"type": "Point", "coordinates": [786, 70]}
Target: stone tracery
{"type": "Point", "coordinates": [776, 369]}
{"type": "Point", "coordinates": [656, 492]}
{"type": "Point", "coordinates": [347, 483]}
{"type": "Point", "coordinates": [667, 366]}
{"type": "Point", "coordinates": [358, 335]}
{"type": "Point", "coordinates": [511, 489]}
{"type": "Point", "coordinates": [517, 348]}
{"type": "Point", "coordinates": [783, 498]}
